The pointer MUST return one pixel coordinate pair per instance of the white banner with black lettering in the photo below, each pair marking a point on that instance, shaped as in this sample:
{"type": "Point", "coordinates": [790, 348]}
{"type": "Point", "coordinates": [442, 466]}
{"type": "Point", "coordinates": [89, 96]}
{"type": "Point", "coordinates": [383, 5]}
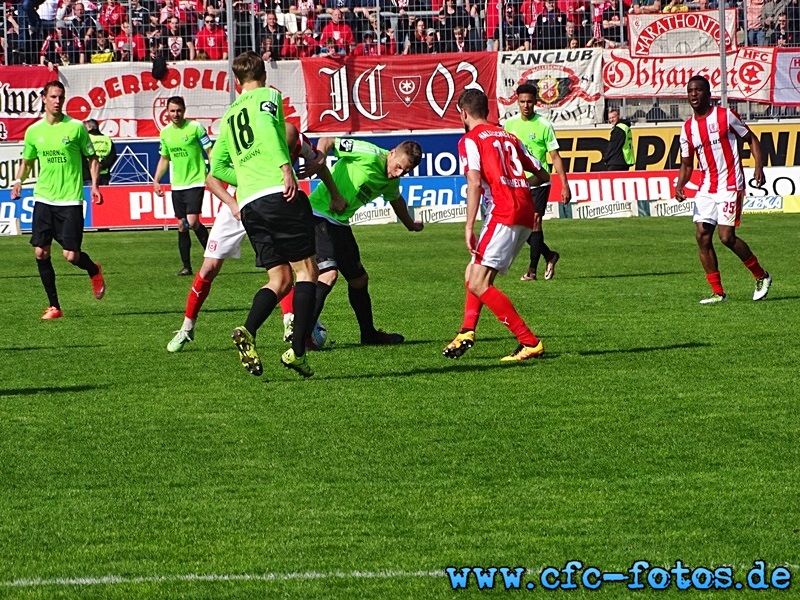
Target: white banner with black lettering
{"type": "Point", "coordinates": [569, 81]}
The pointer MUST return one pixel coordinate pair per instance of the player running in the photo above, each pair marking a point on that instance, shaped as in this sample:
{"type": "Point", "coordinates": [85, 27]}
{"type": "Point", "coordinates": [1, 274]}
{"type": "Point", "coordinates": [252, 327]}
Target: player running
{"type": "Point", "coordinates": [495, 163]}
{"type": "Point", "coordinates": [711, 135]}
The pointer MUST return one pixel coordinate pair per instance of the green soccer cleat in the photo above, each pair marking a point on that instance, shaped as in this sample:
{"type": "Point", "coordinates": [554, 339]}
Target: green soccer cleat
{"type": "Point", "coordinates": [458, 347]}
{"type": "Point", "coordinates": [296, 363]}
{"type": "Point", "coordinates": [714, 299]}
{"type": "Point", "coordinates": [182, 337]}
{"type": "Point", "coordinates": [246, 346]}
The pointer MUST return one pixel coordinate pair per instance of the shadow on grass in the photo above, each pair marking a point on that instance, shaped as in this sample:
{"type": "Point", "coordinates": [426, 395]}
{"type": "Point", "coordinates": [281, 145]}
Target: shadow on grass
{"type": "Point", "coordinates": [59, 348]}
{"type": "Point", "coordinates": [685, 346]}
{"type": "Point", "coordinates": [49, 390]}
{"type": "Point", "coordinates": [173, 311]}
{"type": "Point", "coordinates": [620, 275]}
{"type": "Point", "coordinates": [77, 273]}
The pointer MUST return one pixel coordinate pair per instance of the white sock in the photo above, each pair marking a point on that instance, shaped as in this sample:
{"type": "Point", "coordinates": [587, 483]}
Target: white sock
{"type": "Point", "coordinates": [188, 324]}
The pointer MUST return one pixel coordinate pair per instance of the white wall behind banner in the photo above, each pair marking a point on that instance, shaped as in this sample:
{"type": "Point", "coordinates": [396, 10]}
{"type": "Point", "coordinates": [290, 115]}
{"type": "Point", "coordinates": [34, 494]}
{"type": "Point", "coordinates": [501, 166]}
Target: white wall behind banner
{"type": "Point", "coordinates": [131, 103]}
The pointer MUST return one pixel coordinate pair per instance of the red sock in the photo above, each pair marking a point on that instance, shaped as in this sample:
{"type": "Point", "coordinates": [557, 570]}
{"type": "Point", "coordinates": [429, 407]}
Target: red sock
{"type": "Point", "coordinates": [715, 281]}
{"type": "Point", "coordinates": [197, 295]}
{"type": "Point", "coordinates": [287, 301]}
{"type": "Point", "coordinates": [756, 269]}
{"type": "Point", "coordinates": [505, 312]}
{"type": "Point", "coordinates": [472, 311]}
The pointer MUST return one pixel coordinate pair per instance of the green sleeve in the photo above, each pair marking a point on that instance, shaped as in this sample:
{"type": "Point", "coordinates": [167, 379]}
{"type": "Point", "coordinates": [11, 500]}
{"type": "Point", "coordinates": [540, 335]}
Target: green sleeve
{"type": "Point", "coordinates": [85, 142]}
{"type": "Point", "coordinates": [163, 150]}
{"type": "Point", "coordinates": [221, 167]}
{"type": "Point", "coordinates": [29, 150]}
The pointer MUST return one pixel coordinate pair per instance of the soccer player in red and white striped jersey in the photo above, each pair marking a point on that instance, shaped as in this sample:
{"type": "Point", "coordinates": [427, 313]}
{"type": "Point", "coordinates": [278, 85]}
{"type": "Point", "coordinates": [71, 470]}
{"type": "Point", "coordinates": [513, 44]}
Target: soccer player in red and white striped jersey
{"type": "Point", "coordinates": [494, 162]}
{"type": "Point", "coordinates": [711, 136]}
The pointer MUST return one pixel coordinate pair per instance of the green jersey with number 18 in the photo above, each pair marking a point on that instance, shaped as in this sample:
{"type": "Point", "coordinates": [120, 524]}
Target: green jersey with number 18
{"type": "Point", "coordinates": [253, 139]}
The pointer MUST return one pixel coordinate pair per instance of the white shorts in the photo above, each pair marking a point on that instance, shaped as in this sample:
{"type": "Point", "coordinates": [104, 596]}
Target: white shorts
{"type": "Point", "coordinates": [721, 208]}
{"type": "Point", "coordinates": [225, 238]}
{"type": "Point", "coordinates": [498, 245]}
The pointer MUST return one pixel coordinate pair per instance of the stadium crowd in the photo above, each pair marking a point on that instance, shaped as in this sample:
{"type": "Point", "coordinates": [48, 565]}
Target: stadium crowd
{"type": "Point", "coordinates": [64, 32]}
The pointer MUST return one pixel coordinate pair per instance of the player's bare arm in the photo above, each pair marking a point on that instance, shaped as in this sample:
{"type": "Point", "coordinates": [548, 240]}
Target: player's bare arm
{"type": "Point", "coordinates": [318, 166]}
{"type": "Point", "coordinates": [687, 167]}
{"type": "Point", "coordinates": [558, 167]}
{"type": "Point", "coordinates": [161, 169]}
{"type": "Point", "coordinates": [23, 170]}
{"type": "Point", "coordinates": [289, 182]}
{"type": "Point", "coordinates": [755, 149]}
{"type": "Point", "coordinates": [325, 145]}
{"type": "Point", "coordinates": [400, 207]}
{"type": "Point", "coordinates": [220, 189]}
{"type": "Point", "coordinates": [474, 193]}
{"type": "Point", "coordinates": [94, 170]}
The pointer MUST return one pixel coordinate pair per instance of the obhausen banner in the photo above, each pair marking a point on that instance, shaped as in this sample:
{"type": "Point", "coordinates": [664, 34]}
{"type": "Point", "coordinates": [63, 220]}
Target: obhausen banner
{"type": "Point", "coordinates": [131, 103]}
{"type": "Point", "coordinates": [749, 71]}
{"type": "Point", "coordinates": [569, 81]}
{"type": "Point", "coordinates": [356, 94]}
{"type": "Point", "coordinates": [680, 34]}
{"type": "Point", "coordinates": [786, 83]}
{"type": "Point", "coordinates": [21, 99]}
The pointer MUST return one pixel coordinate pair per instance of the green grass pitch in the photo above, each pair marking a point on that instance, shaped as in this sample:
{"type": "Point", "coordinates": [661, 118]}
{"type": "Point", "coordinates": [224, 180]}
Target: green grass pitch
{"type": "Point", "coordinates": [653, 428]}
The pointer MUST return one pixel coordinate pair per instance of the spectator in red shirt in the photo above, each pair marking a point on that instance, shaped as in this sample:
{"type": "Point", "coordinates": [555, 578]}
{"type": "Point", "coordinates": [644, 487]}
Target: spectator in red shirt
{"type": "Point", "coordinates": [212, 39]}
{"type": "Point", "coordinates": [339, 31]}
{"type": "Point", "coordinates": [111, 16]}
{"type": "Point", "coordinates": [171, 10]}
{"type": "Point", "coordinates": [136, 41]}
{"type": "Point", "coordinates": [297, 46]}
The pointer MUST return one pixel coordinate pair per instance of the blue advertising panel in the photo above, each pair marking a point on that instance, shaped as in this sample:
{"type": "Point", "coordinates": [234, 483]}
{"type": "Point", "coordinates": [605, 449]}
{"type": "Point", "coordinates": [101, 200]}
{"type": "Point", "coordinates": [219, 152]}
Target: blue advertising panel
{"type": "Point", "coordinates": [22, 208]}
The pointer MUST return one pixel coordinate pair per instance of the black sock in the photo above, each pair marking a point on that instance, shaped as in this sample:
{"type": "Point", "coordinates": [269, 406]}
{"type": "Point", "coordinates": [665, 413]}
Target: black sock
{"type": "Point", "coordinates": [264, 303]}
{"type": "Point", "coordinates": [48, 276]}
{"type": "Point", "coordinates": [202, 234]}
{"type": "Point", "coordinates": [87, 264]}
{"type": "Point", "coordinates": [323, 289]}
{"type": "Point", "coordinates": [546, 252]}
{"type": "Point", "coordinates": [536, 241]}
{"type": "Point", "coordinates": [303, 305]}
{"type": "Point", "coordinates": [184, 246]}
{"type": "Point", "coordinates": [362, 306]}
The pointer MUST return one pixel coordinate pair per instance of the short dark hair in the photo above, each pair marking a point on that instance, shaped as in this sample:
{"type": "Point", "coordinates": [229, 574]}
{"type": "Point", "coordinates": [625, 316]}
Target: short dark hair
{"type": "Point", "coordinates": [91, 124]}
{"type": "Point", "coordinates": [249, 66]}
{"type": "Point", "coordinates": [528, 88]}
{"type": "Point", "coordinates": [177, 101]}
{"type": "Point", "coordinates": [412, 150]}
{"type": "Point", "coordinates": [53, 84]}
{"type": "Point", "coordinates": [703, 80]}
{"type": "Point", "coordinates": [475, 102]}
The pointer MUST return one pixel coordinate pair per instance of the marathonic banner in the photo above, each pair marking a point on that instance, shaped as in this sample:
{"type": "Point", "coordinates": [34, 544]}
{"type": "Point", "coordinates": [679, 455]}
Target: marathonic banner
{"type": "Point", "coordinates": [356, 94]}
{"type": "Point", "coordinates": [570, 84]}
{"type": "Point", "coordinates": [680, 34]}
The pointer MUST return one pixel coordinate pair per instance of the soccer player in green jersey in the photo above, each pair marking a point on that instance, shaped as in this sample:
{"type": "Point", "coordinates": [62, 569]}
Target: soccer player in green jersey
{"type": "Point", "coordinates": [252, 152]}
{"type": "Point", "coordinates": [59, 143]}
{"type": "Point", "coordinates": [182, 144]}
{"type": "Point", "coordinates": [537, 133]}
{"type": "Point", "coordinates": [362, 173]}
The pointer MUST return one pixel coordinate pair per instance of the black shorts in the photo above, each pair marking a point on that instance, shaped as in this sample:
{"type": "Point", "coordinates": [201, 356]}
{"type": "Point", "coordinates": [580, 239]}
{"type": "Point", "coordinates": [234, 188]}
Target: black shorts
{"type": "Point", "coordinates": [187, 202]}
{"type": "Point", "coordinates": [541, 196]}
{"type": "Point", "coordinates": [280, 232]}
{"type": "Point", "coordinates": [337, 249]}
{"type": "Point", "coordinates": [63, 224]}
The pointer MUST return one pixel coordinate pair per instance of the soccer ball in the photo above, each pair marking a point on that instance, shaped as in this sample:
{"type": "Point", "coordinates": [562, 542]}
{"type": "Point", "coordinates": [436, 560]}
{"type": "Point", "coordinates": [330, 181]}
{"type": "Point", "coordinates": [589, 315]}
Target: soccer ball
{"type": "Point", "coordinates": [319, 334]}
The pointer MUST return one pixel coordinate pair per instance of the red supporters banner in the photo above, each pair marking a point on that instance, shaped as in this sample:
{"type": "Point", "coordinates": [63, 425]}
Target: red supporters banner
{"type": "Point", "coordinates": [394, 92]}
{"type": "Point", "coordinates": [20, 95]}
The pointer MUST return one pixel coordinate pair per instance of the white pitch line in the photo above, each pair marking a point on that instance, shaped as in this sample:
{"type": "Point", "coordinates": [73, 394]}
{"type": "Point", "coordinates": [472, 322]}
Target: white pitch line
{"type": "Point", "coordinates": [117, 580]}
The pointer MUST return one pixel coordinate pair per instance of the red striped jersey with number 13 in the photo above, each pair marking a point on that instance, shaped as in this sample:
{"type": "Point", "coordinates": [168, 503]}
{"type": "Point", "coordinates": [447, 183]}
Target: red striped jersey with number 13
{"type": "Point", "coordinates": [502, 160]}
{"type": "Point", "coordinates": [713, 139]}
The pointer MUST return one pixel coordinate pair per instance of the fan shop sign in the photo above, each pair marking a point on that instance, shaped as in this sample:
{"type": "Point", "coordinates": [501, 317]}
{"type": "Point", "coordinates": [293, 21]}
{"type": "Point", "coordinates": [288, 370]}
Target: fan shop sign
{"type": "Point", "coordinates": [626, 76]}
{"type": "Point", "coordinates": [681, 34]}
{"type": "Point", "coordinates": [569, 81]}
{"type": "Point", "coordinates": [382, 93]}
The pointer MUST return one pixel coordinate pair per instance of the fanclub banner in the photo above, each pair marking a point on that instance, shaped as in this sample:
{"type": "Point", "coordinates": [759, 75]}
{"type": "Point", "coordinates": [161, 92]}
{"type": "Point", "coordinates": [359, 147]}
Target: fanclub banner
{"type": "Point", "coordinates": [786, 81]}
{"type": "Point", "coordinates": [388, 93]}
{"type": "Point", "coordinates": [21, 99]}
{"type": "Point", "coordinates": [129, 102]}
{"type": "Point", "coordinates": [626, 76]}
{"type": "Point", "coordinates": [680, 34]}
{"type": "Point", "coordinates": [570, 84]}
